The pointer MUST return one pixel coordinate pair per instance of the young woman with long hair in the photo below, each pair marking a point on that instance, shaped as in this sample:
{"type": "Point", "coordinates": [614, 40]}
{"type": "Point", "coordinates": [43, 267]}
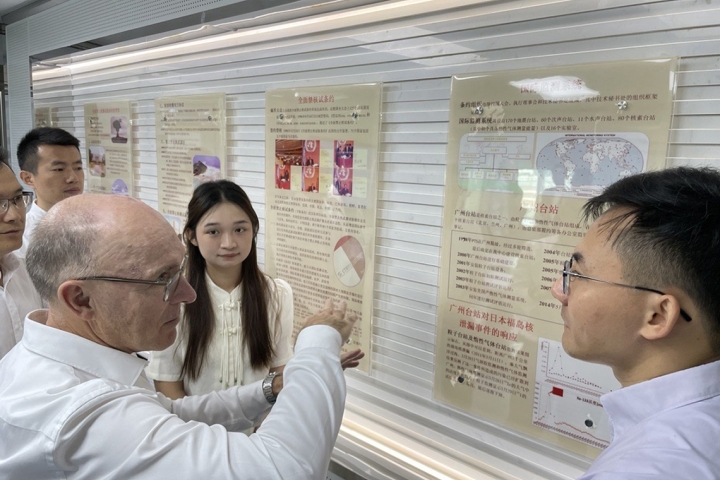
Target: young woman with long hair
{"type": "Point", "coordinates": [239, 327]}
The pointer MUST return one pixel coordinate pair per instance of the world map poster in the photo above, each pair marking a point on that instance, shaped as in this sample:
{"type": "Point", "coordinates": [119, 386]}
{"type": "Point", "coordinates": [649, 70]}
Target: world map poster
{"type": "Point", "coordinates": [526, 149]}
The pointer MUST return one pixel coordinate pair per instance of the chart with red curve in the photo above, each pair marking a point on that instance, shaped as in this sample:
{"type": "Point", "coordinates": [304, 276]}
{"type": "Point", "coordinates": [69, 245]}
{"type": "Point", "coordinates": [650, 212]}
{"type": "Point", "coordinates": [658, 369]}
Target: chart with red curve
{"type": "Point", "coordinates": [567, 395]}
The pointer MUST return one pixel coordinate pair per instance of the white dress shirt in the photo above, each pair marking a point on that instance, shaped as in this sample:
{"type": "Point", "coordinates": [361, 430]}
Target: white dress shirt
{"type": "Point", "coordinates": [226, 362]}
{"type": "Point", "coordinates": [18, 297]}
{"type": "Point", "coordinates": [664, 428]}
{"type": "Point", "coordinates": [73, 409]}
{"type": "Point", "coordinates": [32, 218]}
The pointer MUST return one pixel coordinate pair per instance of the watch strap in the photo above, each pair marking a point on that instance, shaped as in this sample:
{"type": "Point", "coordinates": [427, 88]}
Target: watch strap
{"type": "Point", "coordinates": [267, 388]}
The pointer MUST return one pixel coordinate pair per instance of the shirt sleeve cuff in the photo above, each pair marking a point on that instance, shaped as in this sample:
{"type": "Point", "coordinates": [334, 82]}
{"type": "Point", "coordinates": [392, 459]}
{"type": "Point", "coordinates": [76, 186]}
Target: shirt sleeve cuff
{"type": "Point", "coordinates": [322, 336]}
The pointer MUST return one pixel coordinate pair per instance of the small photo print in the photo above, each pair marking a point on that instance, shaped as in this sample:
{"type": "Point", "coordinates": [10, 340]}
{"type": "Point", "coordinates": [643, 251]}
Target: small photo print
{"type": "Point", "coordinates": [311, 179]}
{"type": "Point", "coordinates": [344, 153]}
{"type": "Point", "coordinates": [288, 152]}
{"type": "Point", "coordinates": [120, 188]}
{"type": "Point", "coordinates": [343, 168]}
{"type": "Point", "coordinates": [96, 161]}
{"type": "Point", "coordinates": [282, 177]}
{"type": "Point", "coordinates": [118, 129]}
{"type": "Point", "coordinates": [311, 153]}
{"type": "Point", "coordinates": [342, 181]}
{"type": "Point", "coordinates": [206, 168]}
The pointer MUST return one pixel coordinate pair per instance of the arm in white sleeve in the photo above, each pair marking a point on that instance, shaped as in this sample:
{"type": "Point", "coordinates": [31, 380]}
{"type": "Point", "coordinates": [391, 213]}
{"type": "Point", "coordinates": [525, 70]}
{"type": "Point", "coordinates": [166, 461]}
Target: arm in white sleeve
{"type": "Point", "coordinates": [129, 434]}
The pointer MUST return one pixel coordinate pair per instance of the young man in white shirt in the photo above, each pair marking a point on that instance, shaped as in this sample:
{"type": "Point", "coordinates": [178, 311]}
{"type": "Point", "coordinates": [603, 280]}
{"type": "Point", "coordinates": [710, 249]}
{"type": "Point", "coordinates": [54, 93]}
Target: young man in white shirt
{"type": "Point", "coordinates": [50, 163]}
{"type": "Point", "coordinates": [642, 295]}
{"type": "Point", "coordinates": [74, 399]}
{"type": "Point", "coordinates": [17, 294]}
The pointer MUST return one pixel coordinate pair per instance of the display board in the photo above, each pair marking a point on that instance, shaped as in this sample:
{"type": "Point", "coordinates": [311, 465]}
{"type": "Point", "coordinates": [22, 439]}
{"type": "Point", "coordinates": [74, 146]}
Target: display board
{"type": "Point", "coordinates": [108, 143]}
{"type": "Point", "coordinates": [526, 149]}
{"type": "Point", "coordinates": [191, 149]}
{"type": "Point", "coordinates": [321, 147]}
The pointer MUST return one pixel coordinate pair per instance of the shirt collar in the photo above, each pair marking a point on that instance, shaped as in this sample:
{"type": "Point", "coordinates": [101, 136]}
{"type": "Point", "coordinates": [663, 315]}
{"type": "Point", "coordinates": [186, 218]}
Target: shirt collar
{"type": "Point", "coordinates": [631, 405]}
{"type": "Point", "coordinates": [80, 353]}
{"type": "Point", "coordinates": [221, 294]}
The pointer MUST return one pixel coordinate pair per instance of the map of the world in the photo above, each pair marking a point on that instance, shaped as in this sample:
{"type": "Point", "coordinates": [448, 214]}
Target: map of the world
{"type": "Point", "coordinates": [580, 162]}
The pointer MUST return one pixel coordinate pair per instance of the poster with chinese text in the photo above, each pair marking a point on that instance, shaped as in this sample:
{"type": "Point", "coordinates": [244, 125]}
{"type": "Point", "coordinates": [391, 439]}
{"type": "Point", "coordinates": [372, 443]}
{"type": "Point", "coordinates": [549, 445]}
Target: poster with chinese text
{"type": "Point", "coordinates": [108, 144]}
{"type": "Point", "coordinates": [526, 149]}
{"type": "Point", "coordinates": [321, 193]}
{"type": "Point", "coordinates": [191, 149]}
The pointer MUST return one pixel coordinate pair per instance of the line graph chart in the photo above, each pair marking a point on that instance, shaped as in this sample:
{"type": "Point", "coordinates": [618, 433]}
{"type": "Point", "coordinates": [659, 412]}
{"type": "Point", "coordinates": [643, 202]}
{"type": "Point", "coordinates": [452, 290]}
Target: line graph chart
{"type": "Point", "coordinates": [567, 395]}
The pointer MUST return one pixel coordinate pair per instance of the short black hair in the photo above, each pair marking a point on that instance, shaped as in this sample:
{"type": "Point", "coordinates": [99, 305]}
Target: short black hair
{"type": "Point", "coordinates": [28, 148]}
{"type": "Point", "coordinates": [668, 234]}
{"type": "Point", "coordinates": [4, 160]}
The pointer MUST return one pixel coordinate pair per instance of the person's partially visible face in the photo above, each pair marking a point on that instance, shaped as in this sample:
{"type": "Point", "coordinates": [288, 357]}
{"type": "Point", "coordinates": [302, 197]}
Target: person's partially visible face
{"type": "Point", "coordinates": [224, 237]}
{"type": "Point", "coordinates": [601, 321]}
{"type": "Point", "coordinates": [12, 223]}
{"type": "Point", "coordinates": [59, 174]}
{"type": "Point", "coordinates": [134, 317]}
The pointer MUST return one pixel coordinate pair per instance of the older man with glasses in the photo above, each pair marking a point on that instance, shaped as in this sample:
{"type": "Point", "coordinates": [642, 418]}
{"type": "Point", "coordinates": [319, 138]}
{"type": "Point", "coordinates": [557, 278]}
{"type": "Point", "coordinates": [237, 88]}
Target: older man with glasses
{"type": "Point", "coordinates": [17, 294]}
{"type": "Point", "coordinates": [642, 295]}
{"type": "Point", "coordinates": [74, 399]}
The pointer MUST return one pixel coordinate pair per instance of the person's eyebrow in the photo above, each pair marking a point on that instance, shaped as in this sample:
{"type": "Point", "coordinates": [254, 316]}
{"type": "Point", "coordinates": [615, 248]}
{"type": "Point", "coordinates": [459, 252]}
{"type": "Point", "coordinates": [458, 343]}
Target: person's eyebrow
{"type": "Point", "coordinates": [213, 224]}
{"type": "Point", "coordinates": [578, 258]}
{"type": "Point", "coordinates": [63, 162]}
{"type": "Point", "coordinates": [18, 191]}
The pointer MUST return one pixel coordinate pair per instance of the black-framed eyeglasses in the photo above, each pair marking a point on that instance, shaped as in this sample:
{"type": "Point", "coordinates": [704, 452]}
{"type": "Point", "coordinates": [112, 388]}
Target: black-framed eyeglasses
{"type": "Point", "coordinates": [170, 284]}
{"type": "Point", "coordinates": [20, 202]}
{"type": "Point", "coordinates": [566, 274]}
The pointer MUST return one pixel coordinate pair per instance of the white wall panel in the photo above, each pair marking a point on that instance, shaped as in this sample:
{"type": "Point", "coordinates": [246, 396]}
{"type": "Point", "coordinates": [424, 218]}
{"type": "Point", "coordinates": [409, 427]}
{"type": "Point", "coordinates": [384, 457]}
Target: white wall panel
{"type": "Point", "coordinates": [414, 53]}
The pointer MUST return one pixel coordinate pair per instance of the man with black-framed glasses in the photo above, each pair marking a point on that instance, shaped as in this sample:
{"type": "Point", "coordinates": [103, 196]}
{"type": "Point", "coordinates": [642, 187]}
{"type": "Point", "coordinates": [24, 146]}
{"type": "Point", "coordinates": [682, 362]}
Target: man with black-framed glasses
{"type": "Point", "coordinates": [75, 402]}
{"type": "Point", "coordinates": [641, 294]}
{"type": "Point", "coordinates": [18, 296]}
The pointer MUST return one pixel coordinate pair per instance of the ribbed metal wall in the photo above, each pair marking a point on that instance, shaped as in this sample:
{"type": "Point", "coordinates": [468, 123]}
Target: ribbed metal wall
{"type": "Point", "coordinates": [414, 57]}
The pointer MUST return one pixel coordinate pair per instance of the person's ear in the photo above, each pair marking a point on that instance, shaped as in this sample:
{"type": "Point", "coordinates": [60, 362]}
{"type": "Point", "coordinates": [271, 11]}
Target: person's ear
{"type": "Point", "coordinates": [190, 238]}
{"type": "Point", "coordinates": [74, 296]}
{"type": "Point", "coordinates": [28, 178]}
{"type": "Point", "coordinates": [662, 316]}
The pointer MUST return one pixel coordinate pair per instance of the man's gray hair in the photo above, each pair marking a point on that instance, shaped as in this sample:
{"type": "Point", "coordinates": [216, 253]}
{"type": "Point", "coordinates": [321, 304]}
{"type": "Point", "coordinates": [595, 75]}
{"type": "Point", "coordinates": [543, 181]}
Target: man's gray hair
{"type": "Point", "coordinates": [61, 249]}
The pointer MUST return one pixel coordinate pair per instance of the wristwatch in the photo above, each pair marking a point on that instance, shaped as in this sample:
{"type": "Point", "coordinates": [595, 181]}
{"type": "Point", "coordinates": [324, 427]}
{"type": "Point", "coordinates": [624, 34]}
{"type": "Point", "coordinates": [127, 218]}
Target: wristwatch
{"type": "Point", "coordinates": [267, 388]}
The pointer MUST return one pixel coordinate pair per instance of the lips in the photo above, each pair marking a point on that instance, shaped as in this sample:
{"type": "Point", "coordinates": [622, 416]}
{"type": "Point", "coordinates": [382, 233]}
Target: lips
{"type": "Point", "coordinates": [230, 255]}
{"type": "Point", "coordinates": [10, 232]}
{"type": "Point", "coordinates": [73, 191]}
{"type": "Point", "coordinates": [173, 322]}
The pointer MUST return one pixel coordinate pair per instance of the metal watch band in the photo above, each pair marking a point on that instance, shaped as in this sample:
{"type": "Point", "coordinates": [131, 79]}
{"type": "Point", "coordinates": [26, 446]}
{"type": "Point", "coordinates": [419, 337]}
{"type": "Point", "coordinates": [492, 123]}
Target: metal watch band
{"type": "Point", "coordinates": [267, 388]}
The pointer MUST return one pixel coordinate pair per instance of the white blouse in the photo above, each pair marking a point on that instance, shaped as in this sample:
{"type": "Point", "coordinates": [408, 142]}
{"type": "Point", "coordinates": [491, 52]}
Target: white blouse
{"type": "Point", "coordinates": [227, 363]}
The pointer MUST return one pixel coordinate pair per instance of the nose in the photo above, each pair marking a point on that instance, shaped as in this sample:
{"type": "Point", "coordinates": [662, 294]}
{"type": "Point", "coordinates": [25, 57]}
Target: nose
{"type": "Point", "coordinates": [184, 293]}
{"type": "Point", "coordinates": [228, 241]}
{"type": "Point", "coordinates": [14, 213]}
{"type": "Point", "coordinates": [557, 291]}
{"type": "Point", "coordinates": [73, 177]}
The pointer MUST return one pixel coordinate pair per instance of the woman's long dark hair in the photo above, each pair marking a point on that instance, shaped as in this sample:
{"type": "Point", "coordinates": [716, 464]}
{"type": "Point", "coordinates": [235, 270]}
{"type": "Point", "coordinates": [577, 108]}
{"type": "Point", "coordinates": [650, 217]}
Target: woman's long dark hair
{"type": "Point", "coordinates": [199, 320]}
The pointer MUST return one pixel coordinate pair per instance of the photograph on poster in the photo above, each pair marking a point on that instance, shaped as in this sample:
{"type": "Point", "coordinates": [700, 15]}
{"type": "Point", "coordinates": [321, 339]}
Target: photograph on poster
{"type": "Point", "coordinates": [118, 133]}
{"type": "Point", "coordinates": [311, 153]}
{"type": "Point", "coordinates": [343, 168]}
{"type": "Point", "coordinates": [206, 168]}
{"type": "Point", "coordinates": [282, 177]}
{"type": "Point", "coordinates": [120, 188]}
{"type": "Point", "coordinates": [311, 179]}
{"type": "Point", "coordinates": [96, 161]}
{"type": "Point", "coordinates": [288, 152]}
